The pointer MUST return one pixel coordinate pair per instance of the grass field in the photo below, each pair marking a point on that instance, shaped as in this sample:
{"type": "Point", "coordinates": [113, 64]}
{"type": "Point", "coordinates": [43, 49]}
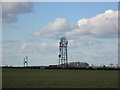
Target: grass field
{"type": "Point", "coordinates": [36, 78]}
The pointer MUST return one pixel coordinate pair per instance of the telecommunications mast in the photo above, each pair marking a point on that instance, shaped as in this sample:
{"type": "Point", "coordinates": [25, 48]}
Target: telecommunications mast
{"type": "Point", "coordinates": [26, 61]}
{"type": "Point", "coordinates": [63, 57]}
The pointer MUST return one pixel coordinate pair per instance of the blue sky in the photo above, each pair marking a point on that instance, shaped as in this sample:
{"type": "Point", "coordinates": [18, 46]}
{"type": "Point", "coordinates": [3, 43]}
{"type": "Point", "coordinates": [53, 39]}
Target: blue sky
{"type": "Point", "coordinates": [34, 28]}
{"type": "Point", "coordinates": [43, 13]}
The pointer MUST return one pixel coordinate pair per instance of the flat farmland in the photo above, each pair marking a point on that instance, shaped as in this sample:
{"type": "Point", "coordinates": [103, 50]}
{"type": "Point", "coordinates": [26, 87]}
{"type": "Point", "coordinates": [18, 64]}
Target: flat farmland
{"type": "Point", "coordinates": [44, 78]}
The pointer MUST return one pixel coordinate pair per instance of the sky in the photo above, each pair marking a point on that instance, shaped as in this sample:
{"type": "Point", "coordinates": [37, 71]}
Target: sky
{"type": "Point", "coordinates": [33, 29]}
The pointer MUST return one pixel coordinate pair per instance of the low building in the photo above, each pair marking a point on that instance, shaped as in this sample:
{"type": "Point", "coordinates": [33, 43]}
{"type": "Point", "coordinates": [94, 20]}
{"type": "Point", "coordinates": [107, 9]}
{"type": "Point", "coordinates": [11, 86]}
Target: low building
{"type": "Point", "coordinates": [52, 66]}
{"type": "Point", "coordinates": [78, 64]}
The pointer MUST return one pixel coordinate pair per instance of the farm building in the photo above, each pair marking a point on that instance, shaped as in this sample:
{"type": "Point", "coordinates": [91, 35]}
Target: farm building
{"type": "Point", "coordinates": [78, 64]}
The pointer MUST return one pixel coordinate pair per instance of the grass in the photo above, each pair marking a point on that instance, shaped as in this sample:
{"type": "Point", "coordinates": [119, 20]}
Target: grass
{"type": "Point", "coordinates": [36, 78]}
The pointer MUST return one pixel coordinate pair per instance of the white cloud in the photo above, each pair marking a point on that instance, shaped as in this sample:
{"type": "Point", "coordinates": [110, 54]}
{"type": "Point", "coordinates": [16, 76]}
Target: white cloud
{"type": "Point", "coordinates": [11, 10]}
{"type": "Point", "coordinates": [104, 56]}
{"type": "Point", "coordinates": [24, 46]}
{"type": "Point", "coordinates": [47, 47]}
{"type": "Point", "coordinates": [83, 41]}
{"type": "Point", "coordinates": [43, 45]}
{"type": "Point", "coordinates": [82, 22]}
{"type": "Point", "coordinates": [55, 29]}
{"type": "Point", "coordinates": [105, 53]}
{"type": "Point", "coordinates": [101, 26]}
{"type": "Point", "coordinates": [104, 25]}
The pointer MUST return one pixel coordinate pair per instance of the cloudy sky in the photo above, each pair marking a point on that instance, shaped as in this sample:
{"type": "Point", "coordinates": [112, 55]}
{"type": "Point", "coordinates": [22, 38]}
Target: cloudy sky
{"type": "Point", "coordinates": [33, 30]}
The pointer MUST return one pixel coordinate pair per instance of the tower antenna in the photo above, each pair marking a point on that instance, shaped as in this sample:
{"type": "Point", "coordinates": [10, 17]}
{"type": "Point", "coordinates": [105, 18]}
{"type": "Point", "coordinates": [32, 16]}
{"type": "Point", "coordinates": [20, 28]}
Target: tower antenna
{"type": "Point", "coordinates": [63, 57]}
{"type": "Point", "coordinates": [26, 61]}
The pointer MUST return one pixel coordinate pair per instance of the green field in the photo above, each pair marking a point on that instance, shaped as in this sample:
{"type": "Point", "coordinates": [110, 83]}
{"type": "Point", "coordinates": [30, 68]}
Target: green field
{"type": "Point", "coordinates": [36, 78]}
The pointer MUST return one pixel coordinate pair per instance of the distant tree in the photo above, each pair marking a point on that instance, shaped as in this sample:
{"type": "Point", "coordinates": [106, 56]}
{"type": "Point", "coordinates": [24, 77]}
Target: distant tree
{"type": "Point", "coordinates": [117, 65]}
{"type": "Point", "coordinates": [92, 65]}
{"type": "Point", "coordinates": [111, 65]}
{"type": "Point", "coordinates": [104, 66]}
